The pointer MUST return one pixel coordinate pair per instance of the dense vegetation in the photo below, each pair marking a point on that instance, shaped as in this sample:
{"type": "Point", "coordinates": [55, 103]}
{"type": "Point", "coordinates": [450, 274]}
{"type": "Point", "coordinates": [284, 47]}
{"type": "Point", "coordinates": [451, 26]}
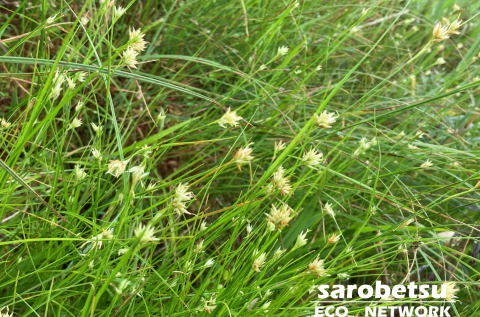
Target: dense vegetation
{"type": "Point", "coordinates": [224, 158]}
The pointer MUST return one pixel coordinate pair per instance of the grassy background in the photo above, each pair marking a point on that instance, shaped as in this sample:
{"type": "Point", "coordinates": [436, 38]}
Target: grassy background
{"type": "Point", "coordinates": [375, 68]}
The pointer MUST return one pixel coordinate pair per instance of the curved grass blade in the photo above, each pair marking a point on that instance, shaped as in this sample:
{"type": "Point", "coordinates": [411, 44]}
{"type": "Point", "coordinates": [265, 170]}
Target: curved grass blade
{"type": "Point", "coordinates": [30, 189]}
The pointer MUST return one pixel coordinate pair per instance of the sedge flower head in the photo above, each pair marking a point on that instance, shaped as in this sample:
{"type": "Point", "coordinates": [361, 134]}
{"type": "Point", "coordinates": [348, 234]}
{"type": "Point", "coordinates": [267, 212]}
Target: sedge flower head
{"type": "Point", "coordinates": [203, 225]}
{"type": "Point", "coordinates": [259, 261]}
{"type": "Point", "coordinates": [138, 173]}
{"type": "Point", "coordinates": [209, 305]}
{"type": "Point", "coordinates": [51, 19]}
{"type": "Point", "coordinates": [6, 313]}
{"type": "Point", "coordinates": [243, 156]}
{"type": "Point", "coordinates": [334, 238]}
{"type": "Point", "coordinates": [146, 151]}
{"type": "Point", "coordinates": [118, 11]}
{"type": "Point", "coordinates": [280, 182]}
{"type": "Point", "coordinates": [343, 276]}
{"type": "Point", "coordinates": [440, 33]}
{"type": "Point", "coordinates": [161, 116]}
{"type": "Point", "coordinates": [454, 26]}
{"type": "Point", "coordinates": [282, 50]}
{"type": "Point", "coordinates": [280, 217]}
{"type": "Point", "coordinates": [145, 233]}
{"type": "Point", "coordinates": [277, 254]}
{"type": "Point", "coordinates": [79, 106]}
{"type": "Point", "coordinates": [151, 186]}
{"type": "Point", "coordinates": [230, 117]}
{"type": "Point", "coordinates": [301, 240]}
{"type": "Point", "coordinates": [364, 146]}
{"type": "Point", "coordinates": [325, 119]}
{"type": "Point", "coordinates": [76, 122]}
{"type": "Point", "coordinates": [98, 129]}
{"type": "Point", "coordinates": [271, 226]}
{"type": "Point", "coordinates": [312, 158]}
{"type": "Point", "coordinates": [327, 209]}
{"type": "Point", "coordinates": [79, 173]}
{"type": "Point", "coordinates": [57, 82]}
{"type": "Point", "coordinates": [265, 305]}
{"type": "Point", "coordinates": [70, 83]}
{"type": "Point", "coordinates": [84, 20]}
{"type": "Point", "coordinates": [406, 223]}
{"type": "Point", "coordinates": [116, 167]}
{"type": "Point", "coordinates": [137, 43]}
{"type": "Point", "coordinates": [249, 229]}
{"type": "Point", "coordinates": [81, 76]}
{"type": "Point", "coordinates": [279, 146]}
{"type": "Point", "coordinates": [181, 196]}
{"type": "Point", "coordinates": [427, 164]}
{"type": "Point", "coordinates": [209, 263]}
{"type": "Point", "coordinates": [5, 124]}
{"type": "Point", "coordinates": [122, 286]}
{"type": "Point", "coordinates": [199, 247]}
{"type": "Point", "coordinates": [450, 291]}
{"type": "Point", "coordinates": [96, 240]}
{"type": "Point", "coordinates": [129, 58]}
{"type": "Point", "coordinates": [316, 268]}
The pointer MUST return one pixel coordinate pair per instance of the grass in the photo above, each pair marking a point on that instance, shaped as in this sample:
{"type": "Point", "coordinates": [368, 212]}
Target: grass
{"type": "Point", "coordinates": [78, 241]}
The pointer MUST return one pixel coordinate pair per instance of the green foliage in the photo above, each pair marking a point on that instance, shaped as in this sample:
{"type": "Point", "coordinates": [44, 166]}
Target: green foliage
{"type": "Point", "coordinates": [183, 229]}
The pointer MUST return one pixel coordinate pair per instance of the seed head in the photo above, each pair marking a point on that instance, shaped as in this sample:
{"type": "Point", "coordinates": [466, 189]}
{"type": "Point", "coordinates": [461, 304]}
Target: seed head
{"type": "Point", "coordinates": [280, 217]}
{"type": "Point", "coordinates": [230, 117]}
{"type": "Point", "coordinates": [75, 123]}
{"type": "Point", "coordinates": [334, 238]}
{"type": "Point", "coordinates": [209, 263]}
{"type": "Point", "coordinates": [70, 83]}
{"type": "Point", "coordinates": [118, 11]}
{"type": "Point", "coordinates": [199, 247]}
{"type": "Point", "coordinates": [312, 158]}
{"type": "Point", "coordinates": [249, 229]}
{"type": "Point", "coordinates": [450, 291]}
{"type": "Point", "coordinates": [81, 76]}
{"type": "Point", "coordinates": [406, 223]}
{"type": "Point", "coordinates": [181, 196]}
{"type": "Point", "coordinates": [440, 33]}
{"type": "Point", "coordinates": [209, 305]}
{"type": "Point", "coordinates": [279, 146]}
{"type": "Point", "coordinates": [301, 241]}
{"type": "Point", "coordinates": [316, 268]}
{"type": "Point", "coordinates": [427, 164]}
{"type": "Point", "coordinates": [325, 119]}
{"type": "Point", "coordinates": [277, 254]}
{"type": "Point", "coordinates": [259, 261]}
{"type": "Point", "coordinates": [145, 233]}
{"type": "Point", "coordinates": [98, 129]}
{"type": "Point", "coordinates": [123, 285]}
{"type": "Point", "coordinates": [280, 182]}
{"type": "Point", "coordinates": [116, 167]}
{"type": "Point", "coordinates": [5, 125]}
{"type": "Point", "coordinates": [84, 20]}
{"type": "Point", "coordinates": [129, 58]}
{"type": "Point", "coordinates": [137, 43]}
{"type": "Point", "coordinates": [455, 25]}
{"type": "Point", "coordinates": [138, 173]}
{"type": "Point", "coordinates": [79, 173]}
{"type": "Point", "coordinates": [327, 209]}
{"type": "Point", "coordinates": [203, 225]}
{"type": "Point", "coordinates": [282, 51]}
{"type": "Point", "coordinates": [51, 19]}
{"type": "Point", "coordinates": [243, 156]}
